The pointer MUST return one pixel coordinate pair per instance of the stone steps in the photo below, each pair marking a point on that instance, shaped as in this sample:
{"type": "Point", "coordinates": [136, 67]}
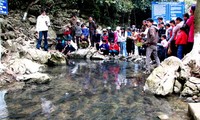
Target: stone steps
{"type": "Point", "coordinates": [194, 110]}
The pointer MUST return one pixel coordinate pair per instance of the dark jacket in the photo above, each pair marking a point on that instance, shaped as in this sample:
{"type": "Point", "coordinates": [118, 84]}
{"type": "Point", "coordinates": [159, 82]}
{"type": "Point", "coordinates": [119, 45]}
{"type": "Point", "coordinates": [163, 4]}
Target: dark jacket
{"type": "Point", "coordinates": [152, 36]}
{"type": "Point", "coordinates": [92, 26]}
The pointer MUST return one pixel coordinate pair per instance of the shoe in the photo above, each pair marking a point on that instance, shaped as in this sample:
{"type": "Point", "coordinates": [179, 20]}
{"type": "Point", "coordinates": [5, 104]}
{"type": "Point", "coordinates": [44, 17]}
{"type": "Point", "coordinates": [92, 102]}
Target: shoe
{"type": "Point", "coordinates": [147, 72]}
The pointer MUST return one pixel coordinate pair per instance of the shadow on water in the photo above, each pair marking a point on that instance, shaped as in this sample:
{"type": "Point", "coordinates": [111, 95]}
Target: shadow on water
{"type": "Point", "coordinates": [92, 90]}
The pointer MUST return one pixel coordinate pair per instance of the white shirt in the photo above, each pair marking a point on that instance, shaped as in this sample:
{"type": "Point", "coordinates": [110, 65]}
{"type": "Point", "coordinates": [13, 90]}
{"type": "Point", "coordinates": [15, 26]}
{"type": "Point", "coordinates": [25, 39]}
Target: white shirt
{"type": "Point", "coordinates": [43, 22]}
{"type": "Point", "coordinates": [164, 43]}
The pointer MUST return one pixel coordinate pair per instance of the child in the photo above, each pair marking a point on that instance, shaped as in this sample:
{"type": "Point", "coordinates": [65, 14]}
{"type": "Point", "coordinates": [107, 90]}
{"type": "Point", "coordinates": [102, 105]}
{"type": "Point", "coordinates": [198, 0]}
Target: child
{"type": "Point", "coordinates": [164, 44]}
{"type": "Point", "coordinates": [105, 35]}
{"type": "Point", "coordinates": [181, 42]}
{"type": "Point", "coordinates": [104, 48]}
{"type": "Point", "coordinates": [96, 38]}
{"type": "Point", "coordinates": [114, 48]}
{"type": "Point", "coordinates": [68, 48]}
{"type": "Point", "coordinates": [84, 41]}
{"type": "Point", "coordinates": [60, 43]}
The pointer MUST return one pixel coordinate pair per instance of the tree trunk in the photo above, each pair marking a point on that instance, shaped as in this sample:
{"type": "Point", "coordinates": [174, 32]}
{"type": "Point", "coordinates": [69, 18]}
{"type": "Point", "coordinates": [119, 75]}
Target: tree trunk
{"type": "Point", "coordinates": [196, 47]}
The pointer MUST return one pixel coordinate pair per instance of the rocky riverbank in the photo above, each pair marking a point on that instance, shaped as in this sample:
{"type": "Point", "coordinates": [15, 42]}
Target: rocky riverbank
{"type": "Point", "coordinates": [177, 76]}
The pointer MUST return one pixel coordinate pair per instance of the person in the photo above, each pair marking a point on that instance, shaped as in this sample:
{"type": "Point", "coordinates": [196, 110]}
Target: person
{"type": "Point", "coordinates": [190, 23]}
{"type": "Point", "coordinates": [144, 26]}
{"type": "Point", "coordinates": [164, 44]}
{"type": "Point", "coordinates": [151, 42]}
{"type": "Point", "coordinates": [85, 31]}
{"type": "Point", "coordinates": [186, 16]}
{"type": "Point", "coordinates": [160, 20]}
{"type": "Point", "coordinates": [67, 31]}
{"type": "Point", "coordinates": [84, 41]}
{"type": "Point", "coordinates": [68, 48]}
{"type": "Point", "coordinates": [73, 22]}
{"type": "Point", "coordinates": [114, 48]}
{"type": "Point", "coordinates": [78, 32]}
{"type": "Point", "coordinates": [42, 25]}
{"type": "Point", "coordinates": [111, 35]}
{"type": "Point", "coordinates": [181, 42]}
{"type": "Point", "coordinates": [168, 31]}
{"type": "Point", "coordinates": [92, 29]}
{"type": "Point", "coordinates": [185, 19]}
{"type": "Point", "coordinates": [60, 42]}
{"type": "Point", "coordinates": [161, 30]}
{"type": "Point", "coordinates": [179, 23]}
{"type": "Point", "coordinates": [129, 42]}
{"type": "Point", "coordinates": [123, 37]}
{"type": "Point", "coordinates": [117, 34]}
{"type": "Point", "coordinates": [104, 48]}
{"type": "Point", "coordinates": [105, 35]}
{"type": "Point", "coordinates": [97, 38]}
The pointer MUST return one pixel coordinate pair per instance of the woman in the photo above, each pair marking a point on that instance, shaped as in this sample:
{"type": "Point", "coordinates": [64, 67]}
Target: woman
{"type": "Point", "coordinates": [190, 23]}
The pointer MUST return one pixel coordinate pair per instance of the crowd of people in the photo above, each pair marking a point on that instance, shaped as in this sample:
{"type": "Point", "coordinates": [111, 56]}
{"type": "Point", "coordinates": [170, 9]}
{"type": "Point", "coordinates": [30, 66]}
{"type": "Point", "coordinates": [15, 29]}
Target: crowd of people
{"type": "Point", "coordinates": [157, 41]}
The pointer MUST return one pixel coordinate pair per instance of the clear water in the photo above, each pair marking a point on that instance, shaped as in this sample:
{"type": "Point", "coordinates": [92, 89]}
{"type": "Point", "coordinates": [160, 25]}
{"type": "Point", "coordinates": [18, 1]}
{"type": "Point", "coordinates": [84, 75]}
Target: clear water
{"type": "Point", "coordinates": [92, 90]}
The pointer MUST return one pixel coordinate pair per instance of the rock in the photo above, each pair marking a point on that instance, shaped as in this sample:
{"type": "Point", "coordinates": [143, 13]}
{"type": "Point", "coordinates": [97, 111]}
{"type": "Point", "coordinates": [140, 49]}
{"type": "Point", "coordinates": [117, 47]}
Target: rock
{"type": "Point", "coordinates": [37, 55]}
{"type": "Point", "coordinates": [15, 86]}
{"type": "Point", "coordinates": [195, 97]}
{"type": "Point", "coordinates": [162, 79]}
{"type": "Point", "coordinates": [38, 78]}
{"type": "Point", "coordinates": [98, 56]}
{"type": "Point", "coordinates": [194, 110]}
{"type": "Point", "coordinates": [90, 53]}
{"type": "Point", "coordinates": [177, 86]}
{"type": "Point", "coordinates": [163, 116]}
{"type": "Point", "coordinates": [191, 87]}
{"type": "Point", "coordinates": [57, 58]}
{"type": "Point", "coordinates": [24, 66]}
{"type": "Point", "coordinates": [79, 54]}
{"type": "Point", "coordinates": [32, 20]}
{"type": "Point", "coordinates": [51, 34]}
{"type": "Point", "coordinates": [11, 35]}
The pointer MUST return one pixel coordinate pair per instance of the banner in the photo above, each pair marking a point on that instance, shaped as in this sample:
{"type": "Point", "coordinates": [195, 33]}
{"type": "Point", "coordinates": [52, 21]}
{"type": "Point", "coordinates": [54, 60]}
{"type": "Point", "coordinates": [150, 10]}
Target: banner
{"type": "Point", "coordinates": [167, 10]}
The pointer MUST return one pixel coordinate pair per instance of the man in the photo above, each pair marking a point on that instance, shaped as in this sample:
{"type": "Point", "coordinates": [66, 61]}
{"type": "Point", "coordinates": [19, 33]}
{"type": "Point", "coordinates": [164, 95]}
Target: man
{"type": "Point", "coordinates": [43, 22]}
{"type": "Point", "coordinates": [73, 22]}
{"type": "Point", "coordinates": [160, 20]}
{"type": "Point", "coordinates": [78, 32]}
{"type": "Point", "coordinates": [151, 42]}
{"type": "Point", "coordinates": [92, 29]}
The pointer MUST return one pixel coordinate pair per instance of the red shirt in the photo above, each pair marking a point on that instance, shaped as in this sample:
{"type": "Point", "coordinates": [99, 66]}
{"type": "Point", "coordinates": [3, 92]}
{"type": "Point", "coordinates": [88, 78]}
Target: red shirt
{"type": "Point", "coordinates": [114, 47]}
{"type": "Point", "coordinates": [181, 38]}
{"type": "Point", "coordinates": [67, 32]}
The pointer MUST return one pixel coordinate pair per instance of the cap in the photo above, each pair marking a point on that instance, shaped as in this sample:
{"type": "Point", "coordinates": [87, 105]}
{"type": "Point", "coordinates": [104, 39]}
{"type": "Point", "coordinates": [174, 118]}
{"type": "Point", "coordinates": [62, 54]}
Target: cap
{"type": "Point", "coordinates": [78, 21]}
{"type": "Point", "coordinates": [104, 30]}
{"type": "Point", "coordinates": [108, 28]}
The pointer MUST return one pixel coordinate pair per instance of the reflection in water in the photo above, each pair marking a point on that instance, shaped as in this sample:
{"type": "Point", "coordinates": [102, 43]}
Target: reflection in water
{"type": "Point", "coordinates": [91, 90]}
{"type": "Point", "coordinates": [3, 106]}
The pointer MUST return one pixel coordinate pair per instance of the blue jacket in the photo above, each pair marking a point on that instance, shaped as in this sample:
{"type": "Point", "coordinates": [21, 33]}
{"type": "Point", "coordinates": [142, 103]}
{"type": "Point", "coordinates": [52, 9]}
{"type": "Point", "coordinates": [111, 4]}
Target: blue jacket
{"type": "Point", "coordinates": [85, 32]}
{"type": "Point", "coordinates": [104, 46]}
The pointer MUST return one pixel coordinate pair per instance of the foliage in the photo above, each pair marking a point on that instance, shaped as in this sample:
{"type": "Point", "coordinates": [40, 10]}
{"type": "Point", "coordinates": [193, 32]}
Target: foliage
{"type": "Point", "coordinates": [108, 12]}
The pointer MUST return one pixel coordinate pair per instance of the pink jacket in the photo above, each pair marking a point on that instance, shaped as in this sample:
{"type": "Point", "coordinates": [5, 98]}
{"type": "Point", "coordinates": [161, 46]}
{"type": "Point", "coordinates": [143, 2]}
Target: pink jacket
{"type": "Point", "coordinates": [190, 23]}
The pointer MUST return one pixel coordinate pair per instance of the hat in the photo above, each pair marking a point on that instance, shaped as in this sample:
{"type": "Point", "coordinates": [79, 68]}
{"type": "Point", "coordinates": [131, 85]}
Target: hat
{"type": "Point", "coordinates": [78, 21]}
{"type": "Point", "coordinates": [108, 28]}
{"type": "Point", "coordinates": [104, 30]}
{"type": "Point", "coordinates": [117, 28]}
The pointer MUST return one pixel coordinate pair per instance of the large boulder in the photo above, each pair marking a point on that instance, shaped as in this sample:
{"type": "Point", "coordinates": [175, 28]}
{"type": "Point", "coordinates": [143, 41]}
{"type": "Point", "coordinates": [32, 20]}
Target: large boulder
{"type": "Point", "coordinates": [162, 79]}
{"type": "Point", "coordinates": [98, 56]}
{"type": "Point", "coordinates": [38, 78]}
{"type": "Point", "coordinates": [37, 55]}
{"type": "Point", "coordinates": [24, 66]}
{"type": "Point", "coordinates": [79, 54]}
{"type": "Point", "coordinates": [57, 58]}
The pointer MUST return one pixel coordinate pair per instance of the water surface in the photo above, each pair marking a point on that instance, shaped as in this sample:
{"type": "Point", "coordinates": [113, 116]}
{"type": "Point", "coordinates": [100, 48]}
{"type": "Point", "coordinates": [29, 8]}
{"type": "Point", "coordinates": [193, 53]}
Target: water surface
{"type": "Point", "coordinates": [92, 90]}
